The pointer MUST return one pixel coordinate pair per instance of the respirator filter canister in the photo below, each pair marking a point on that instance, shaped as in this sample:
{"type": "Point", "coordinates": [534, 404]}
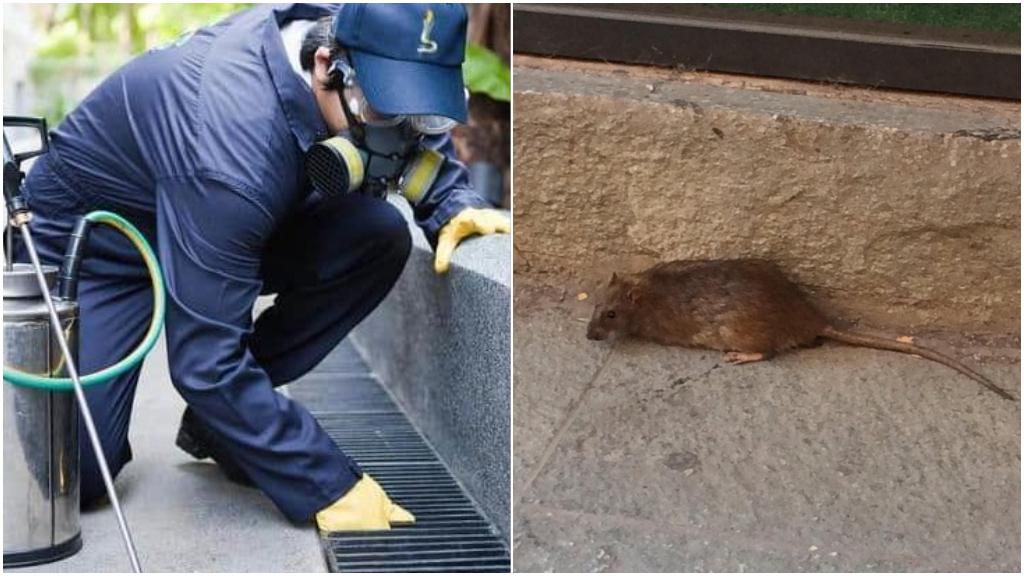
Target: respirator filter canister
{"type": "Point", "coordinates": [419, 174]}
{"type": "Point", "coordinates": [336, 166]}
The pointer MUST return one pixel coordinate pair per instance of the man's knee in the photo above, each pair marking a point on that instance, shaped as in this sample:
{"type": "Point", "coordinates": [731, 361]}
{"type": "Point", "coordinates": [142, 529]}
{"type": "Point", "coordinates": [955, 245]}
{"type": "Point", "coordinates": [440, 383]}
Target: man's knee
{"type": "Point", "coordinates": [386, 241]}
{"type": "Point", "coordinates": [352, 234]}
{"type": "Point", "coordinates": [92, 489]}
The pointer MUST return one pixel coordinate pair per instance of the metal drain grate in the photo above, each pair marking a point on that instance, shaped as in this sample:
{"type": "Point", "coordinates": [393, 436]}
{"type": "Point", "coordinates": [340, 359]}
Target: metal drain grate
{"type": "Point", "coordinates": [450, 534]}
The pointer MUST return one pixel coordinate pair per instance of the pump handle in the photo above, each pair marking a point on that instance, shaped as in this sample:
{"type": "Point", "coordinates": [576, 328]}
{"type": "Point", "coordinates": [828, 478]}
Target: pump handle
{"type": "Point", "coordinates": [27, 122]}
{"type": "Point", "coordinates": [17, 207]}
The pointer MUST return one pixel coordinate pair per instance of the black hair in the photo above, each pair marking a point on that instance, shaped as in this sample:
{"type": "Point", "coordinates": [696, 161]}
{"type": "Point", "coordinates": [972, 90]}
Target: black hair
{"type": "Point", "coordinates": [321, 35]}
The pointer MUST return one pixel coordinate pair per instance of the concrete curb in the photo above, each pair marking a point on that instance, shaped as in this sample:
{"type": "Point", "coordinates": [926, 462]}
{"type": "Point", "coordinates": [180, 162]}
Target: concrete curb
{"type": "Point", "coordinates": [441, 345]}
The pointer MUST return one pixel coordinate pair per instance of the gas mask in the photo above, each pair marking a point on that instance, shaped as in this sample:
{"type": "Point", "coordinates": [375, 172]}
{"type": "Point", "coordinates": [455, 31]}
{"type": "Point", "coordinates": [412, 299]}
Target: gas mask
{"type": "Point", "coordinates": [378, 153]}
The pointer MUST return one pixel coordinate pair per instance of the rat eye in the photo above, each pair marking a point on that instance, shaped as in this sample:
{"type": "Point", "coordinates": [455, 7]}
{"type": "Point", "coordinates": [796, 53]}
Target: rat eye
{"type": "Point", "coordinates": [610, 314]}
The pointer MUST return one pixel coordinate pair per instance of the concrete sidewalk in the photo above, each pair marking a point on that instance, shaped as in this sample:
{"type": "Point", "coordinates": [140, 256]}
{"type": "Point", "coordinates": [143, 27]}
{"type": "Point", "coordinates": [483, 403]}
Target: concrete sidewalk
{"type": "Point", "coordinates": [184, 515]}
{"type": "Point", "coordinates": [636, 457]}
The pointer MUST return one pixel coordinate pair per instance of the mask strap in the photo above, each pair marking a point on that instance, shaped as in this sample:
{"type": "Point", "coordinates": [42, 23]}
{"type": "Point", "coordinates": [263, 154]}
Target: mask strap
{"type": "Point", "coordinates": [341, 67]}
{"type": "Point", "coordinates": [341, 72]}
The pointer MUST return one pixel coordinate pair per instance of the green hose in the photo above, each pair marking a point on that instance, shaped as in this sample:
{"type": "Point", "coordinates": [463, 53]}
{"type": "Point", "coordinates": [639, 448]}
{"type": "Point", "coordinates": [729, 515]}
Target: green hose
{"type": "Point", "coordinates": [132, 360]}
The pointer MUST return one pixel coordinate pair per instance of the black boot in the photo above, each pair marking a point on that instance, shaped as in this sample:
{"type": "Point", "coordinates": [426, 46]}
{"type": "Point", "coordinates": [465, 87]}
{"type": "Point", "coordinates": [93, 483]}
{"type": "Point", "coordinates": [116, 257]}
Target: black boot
{"type": "Point", "coordinates": [199, 442]}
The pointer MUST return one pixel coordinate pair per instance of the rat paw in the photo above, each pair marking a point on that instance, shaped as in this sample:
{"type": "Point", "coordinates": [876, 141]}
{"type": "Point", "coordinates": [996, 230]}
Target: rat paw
{"type": "Point", "coordinates": [743, 357]}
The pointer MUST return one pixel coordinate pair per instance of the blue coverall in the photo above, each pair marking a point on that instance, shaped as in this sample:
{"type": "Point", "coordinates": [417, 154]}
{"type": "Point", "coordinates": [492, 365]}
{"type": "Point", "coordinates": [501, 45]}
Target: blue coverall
{"type": "Point", "coordinates": [201, 144]}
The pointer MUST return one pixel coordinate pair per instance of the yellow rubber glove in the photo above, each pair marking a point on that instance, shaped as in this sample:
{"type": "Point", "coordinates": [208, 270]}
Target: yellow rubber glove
{"type": "Point", "coordinates": [364, 507]}
{"type": "Point", "coordinates": [466, 223]}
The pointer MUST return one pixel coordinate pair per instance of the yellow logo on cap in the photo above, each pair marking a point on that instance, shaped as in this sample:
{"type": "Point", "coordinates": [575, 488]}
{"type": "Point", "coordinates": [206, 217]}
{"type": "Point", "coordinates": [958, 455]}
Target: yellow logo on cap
{"type": "Point", "coordinates": [427, 46]}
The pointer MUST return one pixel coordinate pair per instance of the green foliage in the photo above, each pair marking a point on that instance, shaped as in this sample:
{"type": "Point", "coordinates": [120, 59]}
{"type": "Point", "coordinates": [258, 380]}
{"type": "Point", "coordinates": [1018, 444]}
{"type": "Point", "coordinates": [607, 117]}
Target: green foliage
{"type": "Point", "coordinates": [995, 17]}
{"type": "Point", "coordinates": [63, 41]}
{"type": "Point", "coordinates": [53, 109]}
{"type": "Point", "coordinates": [77, 30]}
{"type": "Point", "coordinates": [485, 73]}
{"type": "Point", "coordinates": [165, 22]}
{"type": "Point", "coordinates": [85, 42]}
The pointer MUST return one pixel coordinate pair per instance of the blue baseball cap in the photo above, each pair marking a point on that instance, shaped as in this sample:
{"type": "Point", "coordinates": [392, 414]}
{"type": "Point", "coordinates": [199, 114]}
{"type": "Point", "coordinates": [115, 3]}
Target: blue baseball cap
{"type": "Point", "coordinates": [407, 57]}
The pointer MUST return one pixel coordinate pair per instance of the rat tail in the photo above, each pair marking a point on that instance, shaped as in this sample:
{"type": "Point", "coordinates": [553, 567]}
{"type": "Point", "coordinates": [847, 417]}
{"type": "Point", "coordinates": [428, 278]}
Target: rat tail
{"type": "Point", "coordinates": [881, 343]}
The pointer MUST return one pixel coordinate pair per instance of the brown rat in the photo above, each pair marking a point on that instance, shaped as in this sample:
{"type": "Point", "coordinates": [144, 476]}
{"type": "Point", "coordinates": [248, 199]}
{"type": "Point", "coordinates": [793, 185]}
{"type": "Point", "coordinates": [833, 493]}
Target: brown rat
{"type": "Point", "coordinates": [746, 308]}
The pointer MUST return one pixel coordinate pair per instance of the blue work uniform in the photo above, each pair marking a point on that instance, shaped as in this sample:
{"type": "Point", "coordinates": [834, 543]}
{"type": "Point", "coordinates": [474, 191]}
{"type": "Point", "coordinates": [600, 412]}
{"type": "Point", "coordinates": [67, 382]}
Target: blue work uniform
{"type": "Point", "coordinates": [201, 145]}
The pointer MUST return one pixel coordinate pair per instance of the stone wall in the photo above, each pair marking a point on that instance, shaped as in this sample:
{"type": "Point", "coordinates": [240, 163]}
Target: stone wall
{"type": "Point", "coordinates": [898, 211]}
{"type": "Point", "coordinates": [442, 347]}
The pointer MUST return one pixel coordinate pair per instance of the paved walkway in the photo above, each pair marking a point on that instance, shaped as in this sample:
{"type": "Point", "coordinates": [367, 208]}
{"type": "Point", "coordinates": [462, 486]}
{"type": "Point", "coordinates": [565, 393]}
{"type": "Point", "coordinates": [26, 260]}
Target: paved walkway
{"type": "Point", "coordinates": [185, 516]}
{"type": "Point", "coordinates": [636, 457]}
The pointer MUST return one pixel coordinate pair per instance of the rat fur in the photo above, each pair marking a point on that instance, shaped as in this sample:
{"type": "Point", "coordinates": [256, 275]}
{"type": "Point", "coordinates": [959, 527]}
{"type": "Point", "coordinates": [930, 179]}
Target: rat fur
{"type": "Point", "coordinates": [745, 308]}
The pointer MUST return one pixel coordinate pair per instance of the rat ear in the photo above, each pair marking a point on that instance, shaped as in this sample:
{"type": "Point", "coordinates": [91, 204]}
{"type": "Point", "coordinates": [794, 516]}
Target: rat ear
{"type": "Point", "coordinates": [615, 278]}
{"type": "Point", "coordinates": [633, 294]}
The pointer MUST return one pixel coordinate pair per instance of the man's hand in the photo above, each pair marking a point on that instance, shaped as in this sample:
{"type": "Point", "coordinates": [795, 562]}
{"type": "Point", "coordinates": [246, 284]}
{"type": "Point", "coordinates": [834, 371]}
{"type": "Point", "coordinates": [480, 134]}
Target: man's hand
{"type": "Point", "coordinates": [364, 507]}
{"type": "Point", "coordinates": [466, 223]}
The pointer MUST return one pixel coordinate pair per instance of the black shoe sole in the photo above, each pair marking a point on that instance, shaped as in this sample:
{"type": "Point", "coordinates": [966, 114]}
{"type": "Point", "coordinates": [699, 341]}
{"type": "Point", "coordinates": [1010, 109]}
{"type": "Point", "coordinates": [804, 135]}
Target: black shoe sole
{"type": "Point", "coordinates": [190, 445]}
